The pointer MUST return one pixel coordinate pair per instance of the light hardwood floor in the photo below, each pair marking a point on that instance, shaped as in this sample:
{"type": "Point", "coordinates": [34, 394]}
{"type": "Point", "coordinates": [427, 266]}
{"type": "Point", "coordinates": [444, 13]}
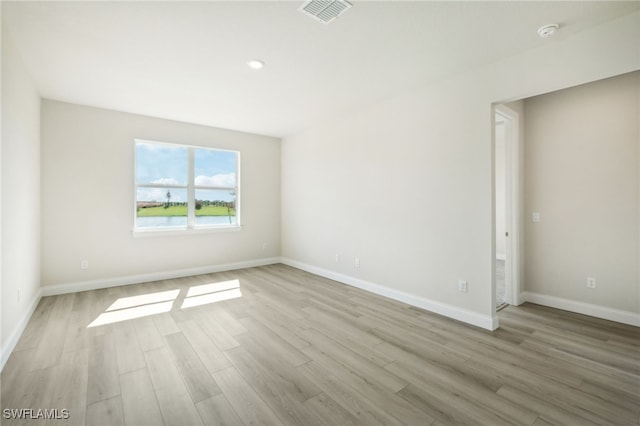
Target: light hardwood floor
{"type": "Point", "coordinates": [297, 349]}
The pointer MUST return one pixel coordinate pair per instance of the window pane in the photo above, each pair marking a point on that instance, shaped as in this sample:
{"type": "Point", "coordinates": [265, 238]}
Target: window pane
{"type": "Point", "coordinates": [161, 207]}
{"type": "Point", "coordinates": [215, 207]}
{"type": "Point", "coordinates": [215, 168]}
{"type": "Point", "coordinates": [161, 164]}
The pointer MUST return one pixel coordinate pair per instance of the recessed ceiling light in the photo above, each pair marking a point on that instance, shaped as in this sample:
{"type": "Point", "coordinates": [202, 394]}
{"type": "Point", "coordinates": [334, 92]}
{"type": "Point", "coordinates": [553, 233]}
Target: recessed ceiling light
{"type": "Point", "coordinates": [255, 64]}
{"type": "Point", "coordinates": [547, 30]}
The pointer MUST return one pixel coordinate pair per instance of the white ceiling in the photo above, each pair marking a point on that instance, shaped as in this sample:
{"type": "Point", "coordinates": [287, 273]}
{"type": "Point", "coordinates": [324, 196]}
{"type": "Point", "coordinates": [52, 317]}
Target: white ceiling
{"type": "Point", "coordinates": [187, 60]}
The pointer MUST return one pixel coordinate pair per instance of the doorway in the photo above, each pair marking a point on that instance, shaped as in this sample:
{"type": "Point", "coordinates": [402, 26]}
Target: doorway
{"type": "Point", "coordinates": [507, 195]}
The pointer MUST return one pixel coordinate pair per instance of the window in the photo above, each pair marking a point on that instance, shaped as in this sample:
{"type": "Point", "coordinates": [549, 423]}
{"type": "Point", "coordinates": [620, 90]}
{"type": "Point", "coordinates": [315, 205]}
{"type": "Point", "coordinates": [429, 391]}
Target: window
{"type": "Point", "coordinates": [185, 187]}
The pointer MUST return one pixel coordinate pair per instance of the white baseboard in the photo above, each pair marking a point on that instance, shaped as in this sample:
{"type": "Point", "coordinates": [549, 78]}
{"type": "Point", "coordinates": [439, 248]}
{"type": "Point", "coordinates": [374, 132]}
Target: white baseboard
{"type": "Point", "coordinates": [469, 317]}
{"type": "Point", "coordinates": [52, 290]}
{"type": "Point", "coordinates": [611, 314]}
{"type": "Point", "coordinates": [8, 347]}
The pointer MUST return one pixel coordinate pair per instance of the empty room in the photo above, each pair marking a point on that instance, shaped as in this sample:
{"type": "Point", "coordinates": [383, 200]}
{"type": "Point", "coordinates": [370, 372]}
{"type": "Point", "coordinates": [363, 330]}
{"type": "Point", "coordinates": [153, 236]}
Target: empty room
{"type": "Point", "coordinates": [320, 213]}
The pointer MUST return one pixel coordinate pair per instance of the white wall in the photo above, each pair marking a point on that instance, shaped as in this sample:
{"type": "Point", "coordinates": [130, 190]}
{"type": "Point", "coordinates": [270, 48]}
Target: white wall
{"type": "Point", "coordinates": [87, 199]}
{"type": "Point", "coordinates": [581, 173]}
{"type": "Point", "coordinates": [20, 191]}
{"type": "Point", "coordinates": [406, 184]}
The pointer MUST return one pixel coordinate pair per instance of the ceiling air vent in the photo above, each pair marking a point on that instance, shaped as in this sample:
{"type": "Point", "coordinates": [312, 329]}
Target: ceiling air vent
{"type": "Point", "coordinates": [325, 11]}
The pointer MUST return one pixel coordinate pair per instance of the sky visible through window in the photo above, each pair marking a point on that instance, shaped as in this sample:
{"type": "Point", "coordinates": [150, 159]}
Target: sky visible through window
{"type": "Point", "coordinates": [174, 192]}
{"type": "Point", "coordinates": [165, 164]}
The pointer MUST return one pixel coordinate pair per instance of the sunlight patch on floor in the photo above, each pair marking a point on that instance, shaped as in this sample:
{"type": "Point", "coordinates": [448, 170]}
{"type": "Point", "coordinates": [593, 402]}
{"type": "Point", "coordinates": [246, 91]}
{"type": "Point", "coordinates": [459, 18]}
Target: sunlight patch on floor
{"type": "Point", "coordinates": [212, 293]}
{"type": "Point", "coordinates": [132, 307]}
{"type": "Point", "coordinates": [212, 288]}
{"type": "Point", "coordinates": [144, 299]}
{"type": "Point", "coordinates": [131, 313]}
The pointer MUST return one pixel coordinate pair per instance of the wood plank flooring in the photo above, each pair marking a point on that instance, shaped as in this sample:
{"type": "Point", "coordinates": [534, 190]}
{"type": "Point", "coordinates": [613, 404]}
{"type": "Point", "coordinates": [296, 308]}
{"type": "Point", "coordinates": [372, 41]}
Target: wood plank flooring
{"type": "Point", "coordinates": [277, 346]}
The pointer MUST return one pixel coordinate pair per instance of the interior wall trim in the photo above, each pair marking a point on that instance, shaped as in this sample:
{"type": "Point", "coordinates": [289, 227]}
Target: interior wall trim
{"type": "Point", "coordinates": [483, 321]}
{"type": "Point", "coordinates": [52, 290]}
{"type": "Point", "coordinates": [603, 312]}
{"type": "Point", "coordinates": [11, 343]}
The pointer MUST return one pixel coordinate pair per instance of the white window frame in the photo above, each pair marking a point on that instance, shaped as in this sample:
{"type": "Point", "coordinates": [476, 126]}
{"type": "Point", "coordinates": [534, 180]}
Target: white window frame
{"type": "Point", "coordinates": [190, 188]}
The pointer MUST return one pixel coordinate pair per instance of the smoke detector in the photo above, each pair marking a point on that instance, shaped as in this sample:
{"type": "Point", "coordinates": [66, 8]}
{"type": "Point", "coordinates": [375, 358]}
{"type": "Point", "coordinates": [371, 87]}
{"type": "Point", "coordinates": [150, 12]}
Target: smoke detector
{"type": "Point", "coordinates": [547, 30]}
{"type": "Point", "coordinates": [325, 11]}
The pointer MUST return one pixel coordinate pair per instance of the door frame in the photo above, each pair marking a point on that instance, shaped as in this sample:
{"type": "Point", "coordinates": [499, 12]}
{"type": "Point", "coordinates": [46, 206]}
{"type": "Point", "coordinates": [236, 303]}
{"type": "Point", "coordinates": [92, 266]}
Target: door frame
{"type": "Point", "coordinates": [512, 202]}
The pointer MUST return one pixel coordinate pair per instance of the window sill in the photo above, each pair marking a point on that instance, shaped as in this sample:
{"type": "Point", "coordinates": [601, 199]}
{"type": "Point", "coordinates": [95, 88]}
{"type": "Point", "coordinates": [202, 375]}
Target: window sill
{"type": "Point", "coordinates": [155, 232]}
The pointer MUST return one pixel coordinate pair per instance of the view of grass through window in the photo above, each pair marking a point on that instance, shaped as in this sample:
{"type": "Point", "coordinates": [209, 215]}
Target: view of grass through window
{"type": "Point", "coordinates": [180, 186]}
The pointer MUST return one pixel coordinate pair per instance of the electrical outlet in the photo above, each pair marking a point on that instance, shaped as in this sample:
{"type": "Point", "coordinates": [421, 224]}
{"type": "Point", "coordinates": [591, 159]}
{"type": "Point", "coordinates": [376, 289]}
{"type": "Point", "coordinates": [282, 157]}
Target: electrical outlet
{"type": "Point", "coordinates": [337, 258]}
{"type": "Point", "coordinates": [535, 217]}
{"type": "Point", "coordinates": [84, 264]}
{"type": "Point", "coordinates": [462, 286]}
{"type": "Point", "coordinates": [357, 262]}
{"type": "Point", "coordinates": [591, 282]}
{"type": "Point", "coordinates": [264, 246]}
